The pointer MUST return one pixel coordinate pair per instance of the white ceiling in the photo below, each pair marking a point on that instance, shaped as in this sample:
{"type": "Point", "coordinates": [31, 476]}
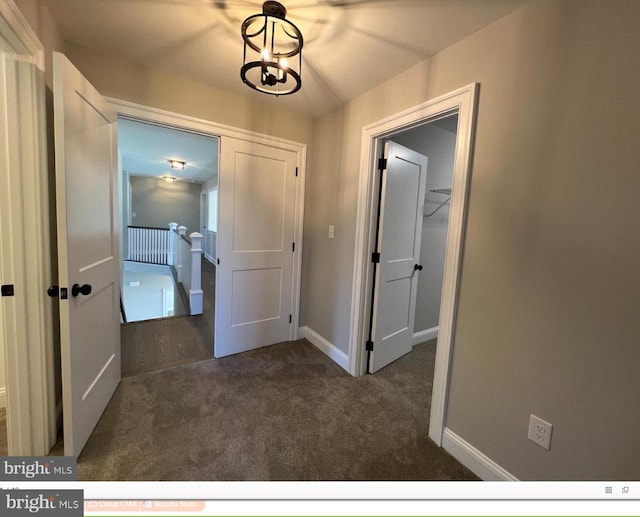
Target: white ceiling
{"type": "Point", "coordinates": [146, 150]}
{"type": "Point", "coordinates": [350, 45]}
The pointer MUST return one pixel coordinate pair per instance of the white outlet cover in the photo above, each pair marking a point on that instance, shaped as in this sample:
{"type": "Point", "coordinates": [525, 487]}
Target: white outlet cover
{"type": "Point", "coordinates": [540, 432]}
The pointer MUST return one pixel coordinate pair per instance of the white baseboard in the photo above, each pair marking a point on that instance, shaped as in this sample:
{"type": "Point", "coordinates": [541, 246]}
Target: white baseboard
{"type": "Point", "coordinates": [425, 335]}
{"type": "Point", "coordinates": [480, 464]}
{"type": "Point", "coordinates": [3, 397]}
{"type": "Point", "coordinates": [327, 348]}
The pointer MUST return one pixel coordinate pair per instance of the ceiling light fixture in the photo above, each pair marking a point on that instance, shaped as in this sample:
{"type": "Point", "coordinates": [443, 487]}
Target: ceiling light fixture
{"type": "Point", "coordinates": [169, 179]}
{"type": "Point", "coordinates": [272, 51]}
{"type": "Point", "coordinates": [177, 164]}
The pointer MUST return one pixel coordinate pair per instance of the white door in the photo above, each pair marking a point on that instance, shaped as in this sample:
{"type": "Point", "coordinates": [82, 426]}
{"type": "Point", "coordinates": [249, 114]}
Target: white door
{"type": "Point", "coordinates": [257, 189]}
{"type": "Point", "coordinates": [401, 212]}
{"type": "Point", "coordinates": [86, 196]}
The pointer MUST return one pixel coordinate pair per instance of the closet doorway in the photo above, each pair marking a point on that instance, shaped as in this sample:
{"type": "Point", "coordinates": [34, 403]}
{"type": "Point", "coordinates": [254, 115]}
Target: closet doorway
{"type": "Point", "coordinates": [414, 192]}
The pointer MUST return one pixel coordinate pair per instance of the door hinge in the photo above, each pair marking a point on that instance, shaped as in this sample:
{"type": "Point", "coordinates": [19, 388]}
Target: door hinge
{"type": "Point", "coordinates": [293, 247]}
{"type": "Point", "coordinates": [296, 172]}
{"type": "Point", "coordinates": [375, 257]}
{"type": "Point", "coordinates": [382, 164]}
{"type": "Point", "coordinates": [290, 319]}
{"type": "Point", "coordinates": [369, 346]}
{"type": "Point", "coordinates": [218, 261]}
{"type": "Point", "coordinates": [7, 290]}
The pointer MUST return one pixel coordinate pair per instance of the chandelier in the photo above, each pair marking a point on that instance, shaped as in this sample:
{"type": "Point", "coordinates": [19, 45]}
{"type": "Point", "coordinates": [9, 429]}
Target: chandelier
{"type": "Point", "coordinates": [272, 51]}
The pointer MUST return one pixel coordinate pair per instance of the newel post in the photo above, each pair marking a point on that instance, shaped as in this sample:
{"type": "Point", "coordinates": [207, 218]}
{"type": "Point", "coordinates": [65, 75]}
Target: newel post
{"type": "Point", "coordinates": [182, 230]}
{"type": "Point", "coordinates": [172, 244]}
{"type": "Point", "coordinates": [196, 293]}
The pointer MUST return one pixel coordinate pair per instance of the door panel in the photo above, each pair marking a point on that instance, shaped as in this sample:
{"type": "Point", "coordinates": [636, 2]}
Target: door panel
{"type": "Point", "coordinates": [254, 244]}
{"type": "Point", "coordinates": [253, 296]}
{"type": "Point", "coordinates": [401, 211]}
{"type": "Point", "coordinates": [88, 250]}
{"type": "Point", "coordinates": [260, 203]}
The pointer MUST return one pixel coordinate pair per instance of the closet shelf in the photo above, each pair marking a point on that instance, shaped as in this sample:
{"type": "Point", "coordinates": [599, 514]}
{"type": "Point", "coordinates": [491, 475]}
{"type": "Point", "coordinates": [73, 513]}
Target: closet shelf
{"type": "Point", "coordinates": [444, 192]}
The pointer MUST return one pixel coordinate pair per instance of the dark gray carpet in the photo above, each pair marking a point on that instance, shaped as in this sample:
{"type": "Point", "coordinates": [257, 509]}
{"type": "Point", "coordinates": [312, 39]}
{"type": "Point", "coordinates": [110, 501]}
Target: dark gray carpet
{"type": "Point", "coordinates": [3, 432]}
{"type": "Point", "coordinates": [285, 412]}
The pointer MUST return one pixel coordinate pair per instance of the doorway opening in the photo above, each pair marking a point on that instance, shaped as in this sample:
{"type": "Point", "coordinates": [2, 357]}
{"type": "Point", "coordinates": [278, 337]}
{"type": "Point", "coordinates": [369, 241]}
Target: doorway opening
{"type": "Point", "coordinates": [462, 103]}
{"type": "Point", "coordinates": [414, 182]}
{"type": "Point", "coordinates": [260, 192]}
{"type": "Point", "coordinates": [168, 274]}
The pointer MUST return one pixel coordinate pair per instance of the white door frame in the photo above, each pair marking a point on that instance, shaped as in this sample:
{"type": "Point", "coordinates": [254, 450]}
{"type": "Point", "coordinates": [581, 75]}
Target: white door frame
{"type": "Point", "coordinates": [461, 102]}
{"type": "Point", "coordinates": [26, 320]}
{"type": "Point", "coordinates": [184, 122]}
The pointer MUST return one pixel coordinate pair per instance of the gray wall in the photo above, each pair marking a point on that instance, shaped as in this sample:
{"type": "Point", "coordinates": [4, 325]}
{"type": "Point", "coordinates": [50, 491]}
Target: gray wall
{"type": "Point", "coordinates": [439, 146]}
{"type": "Point", "coordinates": [547, 318]}
{"type": "Point", "coordinates": [156, 203]}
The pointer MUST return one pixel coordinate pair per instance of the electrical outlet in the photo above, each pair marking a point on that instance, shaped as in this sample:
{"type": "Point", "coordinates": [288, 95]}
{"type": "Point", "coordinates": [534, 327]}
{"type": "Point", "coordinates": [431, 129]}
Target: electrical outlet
{"type": "Point", "coordinates": [540, 432]}
{"type": "Point", "coordinates": [332, 230]}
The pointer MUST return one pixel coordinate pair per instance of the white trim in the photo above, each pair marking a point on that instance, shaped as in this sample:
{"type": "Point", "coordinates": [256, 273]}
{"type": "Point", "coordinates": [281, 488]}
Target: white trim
{"type": "Point", "coordinates": [298, 231]}
{"type": "Point", "coordinates": [3, 397]}
{"type": "Point", "coordinates": [327, 348]}
{"type": "Point", "coordinates": [462, 102]}
{"type": "Point", "coordinates": [177, 120]}
{"type": "Point", "coordinates": [185, 122]}
{"type": "Point", "coordinates": [425, 335]}
{"type": "Point", "coordinates": [27, 318]}
{"type": "Point", "coordinates": [479, 463]}
{"type": "Point", "coordinates": [23, 40]}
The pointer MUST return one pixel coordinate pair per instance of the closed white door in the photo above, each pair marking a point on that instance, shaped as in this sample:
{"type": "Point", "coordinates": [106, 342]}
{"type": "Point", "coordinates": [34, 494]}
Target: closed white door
{"type": "Point", "coordinates": [257, 189]}
{"type": "Point", "coordinates": [88, 262]}
{"type": "Point", "coordinates": [396, 281]}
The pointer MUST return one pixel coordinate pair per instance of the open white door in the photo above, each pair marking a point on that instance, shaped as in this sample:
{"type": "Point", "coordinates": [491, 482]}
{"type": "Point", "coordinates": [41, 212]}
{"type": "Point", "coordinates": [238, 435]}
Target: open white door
{"type": "Point", "coordinates": [88, 251]}
{"type": "Point", "coordinates": [257, 189]}
{"type": "Point", "coordinates": [400, 231]}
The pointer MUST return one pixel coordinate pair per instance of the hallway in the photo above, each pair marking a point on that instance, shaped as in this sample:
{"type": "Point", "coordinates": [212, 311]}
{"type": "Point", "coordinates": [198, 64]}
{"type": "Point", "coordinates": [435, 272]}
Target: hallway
{"type": "Point", "coordinates": [283, 412]}
{"type": "Point", "coordinates": [153, 345]}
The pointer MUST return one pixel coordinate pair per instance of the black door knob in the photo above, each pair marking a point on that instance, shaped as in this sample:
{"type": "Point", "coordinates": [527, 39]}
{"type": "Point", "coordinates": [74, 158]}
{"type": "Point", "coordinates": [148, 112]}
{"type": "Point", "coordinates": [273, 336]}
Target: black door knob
{"type": "Point", "coordinates": [76, 289]}
{"type": "Point", "coordinates": [417, 267]}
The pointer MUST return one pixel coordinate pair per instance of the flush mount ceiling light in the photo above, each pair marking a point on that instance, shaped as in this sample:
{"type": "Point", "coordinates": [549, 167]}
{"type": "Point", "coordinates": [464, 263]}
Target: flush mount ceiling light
{"type": "Point", "coordinates": [169, 179]}
{"type": "Point", "coordinates": [272, 51]}
{"type": "Point", "coordinates": [177, 164]}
